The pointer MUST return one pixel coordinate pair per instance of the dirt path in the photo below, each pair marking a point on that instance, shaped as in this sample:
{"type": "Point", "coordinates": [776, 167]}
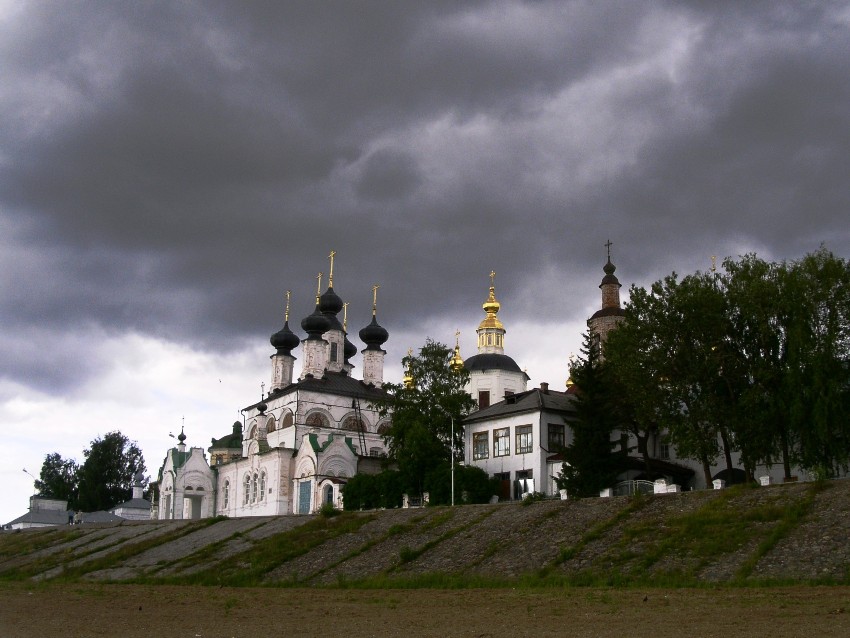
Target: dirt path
{"type": "Point", "coordinates": [129, 611]}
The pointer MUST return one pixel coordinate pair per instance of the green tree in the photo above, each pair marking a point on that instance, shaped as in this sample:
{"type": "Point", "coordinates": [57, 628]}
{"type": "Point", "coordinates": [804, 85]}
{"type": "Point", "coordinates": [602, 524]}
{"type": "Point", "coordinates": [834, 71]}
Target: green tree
{"type": "Point", "coordinates": [472, 484]}
{"type": "Point", "coordinates": [671, 348]}
{"type": "Point", "coordinates": [59, 479]}
{"type": "Point", "coordinates": [590, 463]}
{"type": "Point", "coordinates": [373, 491]}
{"type": "Point", "coordinates": [634, 391]}
{"type": "Point", "coordinates": [759, 301]}
{"type": "Point", "coordinates": [756, 361]}
{"type": "Point", "coordinates": [792, 334]}
{"type": "Point", "coordinates": [106, 476]}
{"type": "Point", "coordinates": [819, 359]}
{"type": "Point", "coordinates": [424, 412]}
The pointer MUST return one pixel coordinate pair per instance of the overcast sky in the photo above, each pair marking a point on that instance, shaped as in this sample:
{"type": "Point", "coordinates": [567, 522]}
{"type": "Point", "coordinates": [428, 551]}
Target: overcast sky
{"type": "Point", "coordinates": [168, 170]}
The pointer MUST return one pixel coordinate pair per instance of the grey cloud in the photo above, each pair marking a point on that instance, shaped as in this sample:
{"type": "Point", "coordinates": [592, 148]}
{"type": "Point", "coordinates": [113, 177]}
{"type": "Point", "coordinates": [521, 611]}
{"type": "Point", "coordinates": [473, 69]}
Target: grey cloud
{"type": "Point", "coordinates": [172, 169]}
{"type": "Point", "coordinates": [388, 175]}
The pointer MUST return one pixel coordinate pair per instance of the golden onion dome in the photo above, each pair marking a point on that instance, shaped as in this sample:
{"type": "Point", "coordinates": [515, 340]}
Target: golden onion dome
{"type": "Point", "coordinates": [491, 307]}
{"type": "Point", "coordinates": [456, 362]}
{"type": "Point", "coordinates": [408, 373]}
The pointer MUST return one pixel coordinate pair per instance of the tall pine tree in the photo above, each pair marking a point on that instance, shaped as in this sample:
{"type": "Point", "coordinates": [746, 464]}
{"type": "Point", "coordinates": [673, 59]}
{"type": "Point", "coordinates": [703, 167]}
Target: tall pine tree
{"type": "Point", "coordinates": [590, 462]}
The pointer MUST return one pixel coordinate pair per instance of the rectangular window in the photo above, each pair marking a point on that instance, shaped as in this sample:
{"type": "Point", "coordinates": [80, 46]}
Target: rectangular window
{"type": "Point", "coordinates": [557, 438]}
{"type": "Point", "coordinates": [502, 442]}
{"type": "Point", "coordinates": [523, 439]}
{"type": "Point", "coordinates": [664, 451]}
{"type": "Point", "coordinates": [480, 445]}
{"type": "Point", "coordinates": [483, 399]}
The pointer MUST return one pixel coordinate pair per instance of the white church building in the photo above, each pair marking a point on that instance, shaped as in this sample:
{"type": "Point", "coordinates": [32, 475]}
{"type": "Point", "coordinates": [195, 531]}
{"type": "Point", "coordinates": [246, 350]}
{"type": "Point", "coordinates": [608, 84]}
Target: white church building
{"type": "Point", "coordinates": [517, 439]}
{"type": "Point", "coordinates": [298, 445]}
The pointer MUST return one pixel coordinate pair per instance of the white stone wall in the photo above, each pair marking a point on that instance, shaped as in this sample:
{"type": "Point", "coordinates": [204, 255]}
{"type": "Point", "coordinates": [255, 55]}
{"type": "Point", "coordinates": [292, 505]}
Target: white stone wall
{"type": "Point", "coordinates": [497, 382]}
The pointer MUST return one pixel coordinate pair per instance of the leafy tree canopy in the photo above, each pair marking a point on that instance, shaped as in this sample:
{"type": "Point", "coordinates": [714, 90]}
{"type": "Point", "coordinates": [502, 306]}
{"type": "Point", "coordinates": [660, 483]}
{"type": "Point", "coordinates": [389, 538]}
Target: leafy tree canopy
{"type": "Point", "coordinates": [424, 412]}
{"type": "Point", "coordinates": [107, 475]}
{"type": "Point", "coordinates": [58, 479]}
{"type": "Point", "coordinates": [755, 360]}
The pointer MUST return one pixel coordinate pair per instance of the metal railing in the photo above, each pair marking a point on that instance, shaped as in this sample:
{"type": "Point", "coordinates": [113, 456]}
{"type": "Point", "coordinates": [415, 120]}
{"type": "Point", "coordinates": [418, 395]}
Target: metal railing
{"type": "Point", "coordinates": [627, 488]}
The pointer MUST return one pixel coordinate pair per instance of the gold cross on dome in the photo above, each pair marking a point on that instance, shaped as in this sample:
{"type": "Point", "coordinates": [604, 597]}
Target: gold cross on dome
{"type": "Point", "coordinates": [331, 274]}
{"type": "Point", "coordinates": [608, 245]}
{"type": "Point", "coordinates": [318, 285]}
{"type": "Point", "coordinates": [286, 316]}
{"type": "Point", "coordinates": [492, 278]}
{"type": "Point", "coordinates": [375, 299]}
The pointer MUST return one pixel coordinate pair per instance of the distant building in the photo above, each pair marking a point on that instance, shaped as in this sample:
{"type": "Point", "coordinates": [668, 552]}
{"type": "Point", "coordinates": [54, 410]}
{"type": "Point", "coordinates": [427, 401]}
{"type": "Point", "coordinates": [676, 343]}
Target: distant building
{"type": "Point", "coordinates": [44, 512]}
{"type": "Point", "coordinates": [51, 512]}
{"type": "Point", "coordinates": [137, 508]}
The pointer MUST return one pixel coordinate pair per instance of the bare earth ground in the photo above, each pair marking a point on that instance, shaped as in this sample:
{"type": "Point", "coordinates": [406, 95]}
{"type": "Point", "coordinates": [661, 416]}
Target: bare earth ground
{"type": "Point", "coordinates": [82, 610]}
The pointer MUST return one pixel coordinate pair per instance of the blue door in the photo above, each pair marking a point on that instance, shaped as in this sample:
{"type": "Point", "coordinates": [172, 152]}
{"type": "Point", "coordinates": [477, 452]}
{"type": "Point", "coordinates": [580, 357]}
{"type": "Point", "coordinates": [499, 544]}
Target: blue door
{"type": "Point", "coordinates": [305, 488]}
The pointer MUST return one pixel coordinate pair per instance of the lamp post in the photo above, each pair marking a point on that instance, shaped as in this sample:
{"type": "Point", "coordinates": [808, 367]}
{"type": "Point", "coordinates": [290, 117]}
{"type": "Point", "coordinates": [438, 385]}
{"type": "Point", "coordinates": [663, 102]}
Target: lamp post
{"type": "Point", "coordinates": [33, 492]}
{"type": "Point", "coordinates": [453, 459]}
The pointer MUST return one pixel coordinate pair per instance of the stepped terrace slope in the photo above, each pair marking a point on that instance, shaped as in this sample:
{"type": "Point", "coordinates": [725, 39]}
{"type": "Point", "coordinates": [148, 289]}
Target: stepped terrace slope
{"type": "Point", "coordinates": [795, 533]}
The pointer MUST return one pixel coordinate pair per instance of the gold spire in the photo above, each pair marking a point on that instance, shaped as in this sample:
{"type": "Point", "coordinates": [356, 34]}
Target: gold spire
{"type": "Point", "coordinates": [331, 275]}
{"type": "Point", "coordinates": [345, 317]}
{"type": "Point", "coordinates": [375, 302]}
{"type": "Point", "coordinates": [570, 382]}
{"type": "Point", "coordinates": [286, 314]}
{"type": "Point", "coordinates": [318, 286]}
{"type": "Point", "coordinates": [456, 362]}
{"type": "Point", "coordinates": [408, 377]}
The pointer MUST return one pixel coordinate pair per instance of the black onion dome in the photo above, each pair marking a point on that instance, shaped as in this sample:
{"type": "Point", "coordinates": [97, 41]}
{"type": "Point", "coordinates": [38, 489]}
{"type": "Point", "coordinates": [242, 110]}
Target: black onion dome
{"type": "Point", "coordinates": [609, 277]}
{"type": "Point", "coordinates": [330, 304]}
{"type": "Point", "coordinates": [491, 361]}
{"type": "Point", "coordinates": [316, 324]}
{"type": "Point", "coordinates": [284, 340]}
{"type": "Point", "coordinates": [373, 335]}
{"type": "Point", "coordinates": [330, 301]}
{"type": "Point", "coordinates": [348, 349]}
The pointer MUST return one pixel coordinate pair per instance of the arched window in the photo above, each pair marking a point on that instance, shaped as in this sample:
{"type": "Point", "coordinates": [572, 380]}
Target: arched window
{"type": "Point", "coordinates": [253, 434]}
{"type": "Point", "coordinates": [254, 489]}
{"type": "Point", "coordinates": [287, 420]}
{"type": "Point", "coordinates": [329, 494]}
{"type": "Point", "coordinates": [246, 484]}
{"type": "Point", "coordinates": [384, 428]}
{"type": "Point", "coordinates": [226, 495]}
{"type": "Point", "coordinates": [270, 424]}
{"type": "Point", "coordinates": [318, 420]}
{"type": "Point", "coordinates": [354, 424]}
{"type": "Point", "coordinates": [262, 486]}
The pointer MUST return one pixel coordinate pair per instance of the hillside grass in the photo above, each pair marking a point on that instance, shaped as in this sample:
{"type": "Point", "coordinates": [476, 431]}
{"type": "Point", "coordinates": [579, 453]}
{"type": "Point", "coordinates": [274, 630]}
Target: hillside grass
{"type": "Point", "coordinates": [720, 538]}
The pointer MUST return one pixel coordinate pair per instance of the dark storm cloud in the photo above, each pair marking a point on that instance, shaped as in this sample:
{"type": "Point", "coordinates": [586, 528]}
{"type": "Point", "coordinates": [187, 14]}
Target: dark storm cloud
{"type": "Point", "coordinates": [173, 168]}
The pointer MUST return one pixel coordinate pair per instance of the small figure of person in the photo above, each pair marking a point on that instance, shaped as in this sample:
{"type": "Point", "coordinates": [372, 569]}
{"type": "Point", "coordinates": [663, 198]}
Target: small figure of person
{"type": "Point", "coordinates": [78, 518]}
{"type": "Point", "coordinates": [70, 518]}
